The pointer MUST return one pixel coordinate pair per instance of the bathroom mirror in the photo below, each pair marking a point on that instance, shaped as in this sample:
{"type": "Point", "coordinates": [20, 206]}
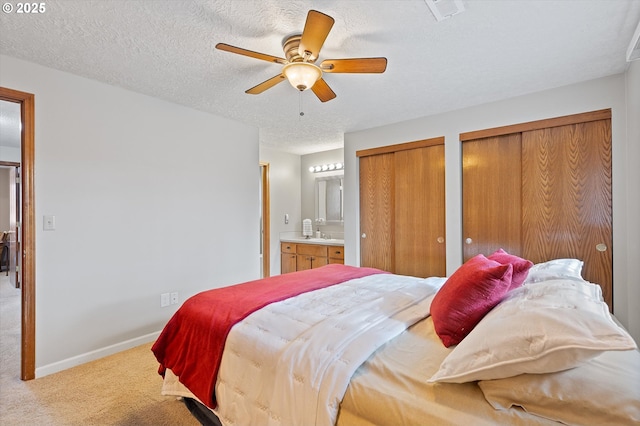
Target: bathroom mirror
{"type": "Point", "coordinates": [329, 199]}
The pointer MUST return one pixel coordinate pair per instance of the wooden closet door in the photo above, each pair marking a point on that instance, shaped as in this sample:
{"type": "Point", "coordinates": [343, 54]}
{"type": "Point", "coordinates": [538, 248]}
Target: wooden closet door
{"type": "Point", "coordinates": [377, 193]}
{"type": "Point", "coordinates": [491, 195]}
{"type": "Point", "coordinates": [566, 193]}
{"type": "Point", "coordinates": [420, 248]}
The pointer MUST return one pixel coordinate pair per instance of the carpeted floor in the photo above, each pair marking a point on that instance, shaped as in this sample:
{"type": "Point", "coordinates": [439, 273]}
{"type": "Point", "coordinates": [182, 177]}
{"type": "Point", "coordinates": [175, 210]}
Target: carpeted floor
{"type": "Point", "coordinates": [122, 389]}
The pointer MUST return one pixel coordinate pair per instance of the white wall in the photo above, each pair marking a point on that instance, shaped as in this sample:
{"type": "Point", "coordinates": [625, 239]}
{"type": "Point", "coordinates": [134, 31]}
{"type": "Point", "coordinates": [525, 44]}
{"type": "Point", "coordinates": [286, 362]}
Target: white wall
{"type": "Point", "coordinates": [632, 156]}
{"type": "Point", "coordinates": [284, 182]}
{"type": "Point", "coordinates": [149, 197]}
{"type": "Point", "coordinates": [10, 154]}
{"type": "Point", "coordinates": [608, 92]}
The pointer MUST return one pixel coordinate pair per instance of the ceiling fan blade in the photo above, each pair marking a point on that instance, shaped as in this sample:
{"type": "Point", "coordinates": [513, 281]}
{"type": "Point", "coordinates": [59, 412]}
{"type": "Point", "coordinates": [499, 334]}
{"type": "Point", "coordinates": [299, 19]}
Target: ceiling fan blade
{"type": "Point", "coordinates": [323, 91]}
{"type": "Point", "coordinates": [250, 53]}
{"type": "Point", "coordinates": [315, 32]}
{"type": "Point", "coordinates": [268, 84]}
{"type": "Point", "coordinates": [355, 65]}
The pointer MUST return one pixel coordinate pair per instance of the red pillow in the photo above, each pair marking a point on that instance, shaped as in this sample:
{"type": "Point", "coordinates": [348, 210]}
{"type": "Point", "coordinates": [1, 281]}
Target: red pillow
{"type": "Point", "coordinates": [467, 296]}
{"type": "Point", "coordinates": [520, 266]}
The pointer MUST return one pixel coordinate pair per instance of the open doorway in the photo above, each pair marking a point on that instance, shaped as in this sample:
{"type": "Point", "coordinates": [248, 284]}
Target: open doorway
{"type": "Point", "coordinates": [10, 291]}
{"type": "Point", "coordinates": [10, 204]}
{"type": "Point", "coordinates": [25, 234]}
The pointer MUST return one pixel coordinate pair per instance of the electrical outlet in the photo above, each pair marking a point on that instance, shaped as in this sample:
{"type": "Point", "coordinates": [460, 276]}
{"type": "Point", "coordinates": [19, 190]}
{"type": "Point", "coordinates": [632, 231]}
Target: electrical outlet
{"type": "Point", "coordinates": [164, 300]}
{"type": "Point", "coordinates": [174, 298]}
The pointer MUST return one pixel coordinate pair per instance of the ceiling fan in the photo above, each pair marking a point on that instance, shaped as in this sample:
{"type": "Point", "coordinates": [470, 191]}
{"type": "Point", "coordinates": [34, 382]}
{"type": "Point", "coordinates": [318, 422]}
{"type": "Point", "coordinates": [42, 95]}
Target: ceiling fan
{"type": "Point", "coordinates": [301, 52]}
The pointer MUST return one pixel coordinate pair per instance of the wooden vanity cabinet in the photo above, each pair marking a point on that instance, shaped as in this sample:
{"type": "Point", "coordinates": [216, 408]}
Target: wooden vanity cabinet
{"type": "Point", "coordinates": [302, 256]}
{"type": "Point", "coordinates": [311, 256]}
{"type": "Point", "coordinates": [336, 254]}
{"type": "Point", "coordinates": [288, 258]}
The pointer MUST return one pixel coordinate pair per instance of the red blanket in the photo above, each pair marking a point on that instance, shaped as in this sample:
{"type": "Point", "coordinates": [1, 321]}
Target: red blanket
{"type": "Point", "coordinates": [192, 342]}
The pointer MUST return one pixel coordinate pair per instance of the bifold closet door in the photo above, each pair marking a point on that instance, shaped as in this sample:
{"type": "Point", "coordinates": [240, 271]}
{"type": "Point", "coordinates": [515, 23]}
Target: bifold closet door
{"type": "Point", "coordinates": [542, 190]}
{"type": "Point", "coordinates": [491, 195]}
{"type": "Point", "coordinates": [566, 193]}
{"type": "Point", "coordinates": [377, 200]}
{"type": "Point", "coordinates": [420, 248]}
{"type": "Point", "coordinates": [402, 208]}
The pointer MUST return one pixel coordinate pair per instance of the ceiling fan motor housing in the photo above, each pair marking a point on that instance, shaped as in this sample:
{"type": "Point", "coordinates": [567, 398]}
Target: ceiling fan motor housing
{"type": "Point", "coordinates": [290, 47]}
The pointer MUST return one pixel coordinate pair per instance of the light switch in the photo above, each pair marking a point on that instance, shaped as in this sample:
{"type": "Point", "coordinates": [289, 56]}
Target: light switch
{"type": "Point", "coordinates": [49, 223]}
{"type": "Point", "coordinates": [164, 300]}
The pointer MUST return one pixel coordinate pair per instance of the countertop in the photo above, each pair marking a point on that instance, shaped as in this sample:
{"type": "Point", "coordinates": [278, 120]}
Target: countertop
{"type": "Point", "coordinates": [321, 241]}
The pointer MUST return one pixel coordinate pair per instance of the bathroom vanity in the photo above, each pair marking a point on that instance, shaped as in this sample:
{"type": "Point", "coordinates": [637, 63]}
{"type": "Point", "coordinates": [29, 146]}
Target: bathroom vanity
{"type": "Point", "coordinates": [301, 254]}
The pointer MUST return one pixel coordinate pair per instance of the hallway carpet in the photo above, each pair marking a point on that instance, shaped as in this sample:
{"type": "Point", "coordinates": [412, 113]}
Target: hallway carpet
{"type": "Point", "coordinates": [121, 389]}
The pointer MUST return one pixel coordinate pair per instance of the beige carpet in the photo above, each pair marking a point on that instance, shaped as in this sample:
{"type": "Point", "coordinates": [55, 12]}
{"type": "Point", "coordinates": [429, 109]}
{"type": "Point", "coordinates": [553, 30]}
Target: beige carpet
{"type": "Point", "coordinates": [122, 389]}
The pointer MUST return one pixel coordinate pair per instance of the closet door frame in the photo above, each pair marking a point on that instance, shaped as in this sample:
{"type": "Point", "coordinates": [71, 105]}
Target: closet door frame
{"type": "Point", "coordinates": [602, 114]}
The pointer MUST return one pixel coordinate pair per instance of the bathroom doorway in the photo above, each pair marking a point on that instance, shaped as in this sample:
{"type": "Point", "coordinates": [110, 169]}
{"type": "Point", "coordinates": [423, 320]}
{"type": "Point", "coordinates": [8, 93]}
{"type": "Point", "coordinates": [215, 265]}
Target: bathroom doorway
{"type": "Point", "coordinates": [10, 205]}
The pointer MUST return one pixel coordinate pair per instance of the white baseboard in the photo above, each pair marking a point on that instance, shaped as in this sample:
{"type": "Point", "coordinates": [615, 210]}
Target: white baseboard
{"type": "Point", "coordinates": [45, 370]}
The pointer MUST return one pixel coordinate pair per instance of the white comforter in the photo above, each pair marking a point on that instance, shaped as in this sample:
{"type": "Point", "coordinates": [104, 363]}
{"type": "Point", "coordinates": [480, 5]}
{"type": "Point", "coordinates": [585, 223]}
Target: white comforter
{"type": "Point", "coordinates": [290, 362]}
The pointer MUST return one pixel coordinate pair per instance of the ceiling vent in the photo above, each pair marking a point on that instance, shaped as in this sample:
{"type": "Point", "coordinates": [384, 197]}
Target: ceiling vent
{"type": "Point", "coordinates": [443, 9]}
{"type": "Point", "coordinates": [633, 52]}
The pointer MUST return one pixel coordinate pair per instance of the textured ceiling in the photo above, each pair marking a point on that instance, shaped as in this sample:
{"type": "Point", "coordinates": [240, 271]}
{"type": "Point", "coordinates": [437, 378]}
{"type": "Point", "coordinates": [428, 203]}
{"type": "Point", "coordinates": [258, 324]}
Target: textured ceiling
{"type": "Point", "coordinates": [163, 48]}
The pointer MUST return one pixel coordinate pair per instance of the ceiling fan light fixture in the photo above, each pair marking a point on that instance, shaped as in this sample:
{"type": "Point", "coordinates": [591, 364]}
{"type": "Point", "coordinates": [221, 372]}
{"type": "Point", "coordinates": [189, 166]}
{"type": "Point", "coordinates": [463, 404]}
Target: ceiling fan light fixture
{"type": "Point", "coordinates": [302, 75]}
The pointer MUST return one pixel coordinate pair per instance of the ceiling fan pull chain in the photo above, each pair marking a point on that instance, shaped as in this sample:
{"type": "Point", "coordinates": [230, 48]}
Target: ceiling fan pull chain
{"type": "Point", "coordinates": [300, 105]}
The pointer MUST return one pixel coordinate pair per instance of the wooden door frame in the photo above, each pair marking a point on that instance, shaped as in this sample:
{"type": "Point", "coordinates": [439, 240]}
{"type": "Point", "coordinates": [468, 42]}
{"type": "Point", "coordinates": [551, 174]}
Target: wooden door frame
{"type": "Point", "coordinates": [266, 220]}
{"type": "Point", "coordinates": [28, 238]}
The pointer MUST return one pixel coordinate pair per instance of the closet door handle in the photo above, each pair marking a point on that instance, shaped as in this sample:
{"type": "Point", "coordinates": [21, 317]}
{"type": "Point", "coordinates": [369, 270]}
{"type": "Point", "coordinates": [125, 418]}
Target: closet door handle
{"type": "Point", "coordinates": [468, 241]}
{"type": "Point", "coordinates": [364, 235]}
{"type": "Point", "coordinates": [440, 240]}
{"type": "Point", "coordinates": [601, 247]}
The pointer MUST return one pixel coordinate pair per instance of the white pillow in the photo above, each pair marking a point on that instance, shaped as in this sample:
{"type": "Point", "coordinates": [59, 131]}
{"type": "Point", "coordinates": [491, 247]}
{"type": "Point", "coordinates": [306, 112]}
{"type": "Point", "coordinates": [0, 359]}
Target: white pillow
{"type": "Point", "coordinates": [606, 389]}
{"type": "Point", "coordinates": [538, 328]}
{"type": "Point", "coordinates": [556, 269]}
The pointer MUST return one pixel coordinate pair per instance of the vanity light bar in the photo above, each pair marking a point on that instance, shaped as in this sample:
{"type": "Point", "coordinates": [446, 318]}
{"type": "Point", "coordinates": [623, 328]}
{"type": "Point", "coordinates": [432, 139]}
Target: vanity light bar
{"type": "Point", "coordinates": [326, 167]}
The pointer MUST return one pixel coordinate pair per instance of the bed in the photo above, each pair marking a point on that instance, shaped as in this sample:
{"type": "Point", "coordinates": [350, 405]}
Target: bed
{"type": "Point", "coordinates": [501, 341]}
